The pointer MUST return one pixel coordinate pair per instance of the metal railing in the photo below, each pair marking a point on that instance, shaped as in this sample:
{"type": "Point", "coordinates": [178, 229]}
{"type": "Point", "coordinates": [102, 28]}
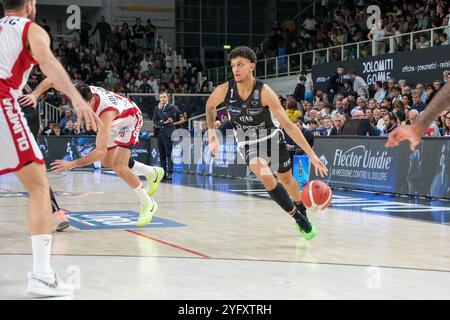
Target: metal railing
{"type": "Point", "coordinates": [51, 113]}
{"type": "Point", "coordinates": [292, 64]}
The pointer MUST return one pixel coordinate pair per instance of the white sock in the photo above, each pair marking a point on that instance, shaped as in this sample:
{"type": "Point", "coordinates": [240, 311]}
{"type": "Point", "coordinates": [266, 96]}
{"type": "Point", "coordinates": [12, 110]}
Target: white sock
{"type": "Point", "coordinates": [143, 170]}
{"type": "Point", "coordinates": [142, 194]}
{"type": "Point", "coordinates": [42, 249]}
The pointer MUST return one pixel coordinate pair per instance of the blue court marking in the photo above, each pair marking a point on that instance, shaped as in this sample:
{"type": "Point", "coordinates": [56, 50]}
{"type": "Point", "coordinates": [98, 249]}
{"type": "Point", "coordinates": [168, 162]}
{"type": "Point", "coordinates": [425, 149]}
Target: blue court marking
{"type": "Point", "coordinates": [107, 220]}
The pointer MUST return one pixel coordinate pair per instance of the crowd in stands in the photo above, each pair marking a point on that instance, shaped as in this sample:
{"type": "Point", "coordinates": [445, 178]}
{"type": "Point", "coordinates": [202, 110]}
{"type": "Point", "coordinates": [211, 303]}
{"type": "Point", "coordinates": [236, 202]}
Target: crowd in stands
{"type": "Point", "coordinates": [348, 23]}
{"type": "Point", "coordinates": [128, 60]}
{"type": "Point", "coordinates": [380, 109]}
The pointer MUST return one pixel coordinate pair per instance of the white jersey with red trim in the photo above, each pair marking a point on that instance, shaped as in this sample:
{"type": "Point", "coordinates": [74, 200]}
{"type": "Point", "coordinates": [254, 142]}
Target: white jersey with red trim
{"type": "Point", "coordinates": [16, 61]}
{"type": "Point", "coordinates": [128, 122]}
{"type": "Point", "coordinates": [112, 101]}
{"type": "Point", "coordinates": [16, 64]}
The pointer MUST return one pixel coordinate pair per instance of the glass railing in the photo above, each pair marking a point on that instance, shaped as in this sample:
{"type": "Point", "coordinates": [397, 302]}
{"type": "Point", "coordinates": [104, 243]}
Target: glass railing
{"type": "Point", "coordinates": [294, 63]}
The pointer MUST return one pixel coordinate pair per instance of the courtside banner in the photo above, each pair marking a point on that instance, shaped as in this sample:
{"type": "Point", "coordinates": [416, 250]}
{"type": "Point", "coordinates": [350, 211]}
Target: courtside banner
{"type": "Point", "coordinates": [75, 147]}
{"type": "Point", "coordinates": [366, 164]}
{"type": "Point", "coordinates": [357, 163]}
{"type": "Point", "coordinates": [425, 65]}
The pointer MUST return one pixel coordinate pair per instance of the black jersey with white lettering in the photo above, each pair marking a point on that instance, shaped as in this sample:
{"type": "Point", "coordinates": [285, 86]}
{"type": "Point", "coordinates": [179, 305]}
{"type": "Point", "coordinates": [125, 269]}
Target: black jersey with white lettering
{"type": "Point", "coordinates": [249, 114]}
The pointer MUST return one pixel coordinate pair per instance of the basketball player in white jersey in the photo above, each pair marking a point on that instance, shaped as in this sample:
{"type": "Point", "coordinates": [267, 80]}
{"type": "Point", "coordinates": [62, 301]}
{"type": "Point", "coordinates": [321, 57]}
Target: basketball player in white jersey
{"type": "Point", "coordinates": [122, 121]}
{"type": "Point", "coordinates": [24, 44]}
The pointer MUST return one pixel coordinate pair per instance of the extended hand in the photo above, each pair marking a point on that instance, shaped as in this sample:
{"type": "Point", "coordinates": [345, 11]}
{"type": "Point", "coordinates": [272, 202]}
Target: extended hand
{"type": "Point", "coordinates": [86, 113]}
{"type": "Point", "coordinates": [320, 168]}
{"type": "Point", "coordinates": [60, 166]}
{"type": "Point", "coordinates": [402, 133]}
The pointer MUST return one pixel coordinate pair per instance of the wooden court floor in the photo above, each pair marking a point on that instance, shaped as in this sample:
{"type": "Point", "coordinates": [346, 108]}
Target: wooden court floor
{"type": "Point", "coordinates": [209, 244]}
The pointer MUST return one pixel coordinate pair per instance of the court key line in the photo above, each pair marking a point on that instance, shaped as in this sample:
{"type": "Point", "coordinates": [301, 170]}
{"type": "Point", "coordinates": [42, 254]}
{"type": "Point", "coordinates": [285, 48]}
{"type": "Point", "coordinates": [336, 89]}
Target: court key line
{"type": "Point", "coordinates": [169, 244]}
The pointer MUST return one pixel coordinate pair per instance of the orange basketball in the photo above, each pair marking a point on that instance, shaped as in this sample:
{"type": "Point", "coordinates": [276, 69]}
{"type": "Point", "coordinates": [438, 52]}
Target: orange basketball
{"type": "Point", "coordinates": [316, 195]}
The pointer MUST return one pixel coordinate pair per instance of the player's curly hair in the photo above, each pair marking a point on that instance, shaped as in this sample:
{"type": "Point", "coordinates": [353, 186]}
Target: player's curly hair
{"type": "Point", "coordinates": [242, 52]}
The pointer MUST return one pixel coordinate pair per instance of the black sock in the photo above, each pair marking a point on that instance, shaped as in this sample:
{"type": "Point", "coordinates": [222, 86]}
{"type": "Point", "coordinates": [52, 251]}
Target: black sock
{"type": "Point", "coordinates": [131, 163]}
{"type": "Point", "coordinates": [281, 197]}
{"type": "Point", "coordinates": [301, 207]}
{"type": "Point", "coordinates": [55, 206]}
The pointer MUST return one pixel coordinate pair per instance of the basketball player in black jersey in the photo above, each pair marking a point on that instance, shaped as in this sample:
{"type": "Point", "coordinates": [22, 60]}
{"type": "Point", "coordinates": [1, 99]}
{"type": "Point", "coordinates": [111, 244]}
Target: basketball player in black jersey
{"type": "Point", "coordinates": [29, 109]}
{"type": "Point", "coordinates": [254, 108]}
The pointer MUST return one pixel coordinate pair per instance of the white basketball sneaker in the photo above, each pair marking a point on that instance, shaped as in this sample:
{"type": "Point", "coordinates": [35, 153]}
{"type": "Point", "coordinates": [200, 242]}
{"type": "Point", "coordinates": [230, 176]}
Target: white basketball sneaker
{"type": "Point", "coordinates": [42, 287]}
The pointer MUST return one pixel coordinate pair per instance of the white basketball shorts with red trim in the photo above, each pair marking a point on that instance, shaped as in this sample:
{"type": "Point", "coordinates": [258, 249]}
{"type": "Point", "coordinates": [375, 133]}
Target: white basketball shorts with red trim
{"type": "Point", "coordinates": [17, 145]}
{"type": "Point", "coordinates": [126, 132]}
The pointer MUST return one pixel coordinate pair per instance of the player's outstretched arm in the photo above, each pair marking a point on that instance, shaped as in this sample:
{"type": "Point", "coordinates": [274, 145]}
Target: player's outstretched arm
{"type": "Point", "coordinates": [97, 154]}
{"type": "Point", "coordinates": [215, 99]}
{"type": "Point", "coordinates": [438, 104]}
{"type": "Point", "coordinates": [270, 99]}
{"type": "Point", "coordinates": [40, 47]}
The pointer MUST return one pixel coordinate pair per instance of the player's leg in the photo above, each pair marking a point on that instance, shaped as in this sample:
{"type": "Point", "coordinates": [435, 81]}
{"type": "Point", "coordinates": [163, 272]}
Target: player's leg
{"type": "Point", "coordinates": [60, 220]}
{"type": "Point", "coordinates": [42, 280]}
{"type": "Point", "coordinates": [278, 193]}
{"type": "Point", "coordinates": [286, 177]}
{"type": "Point", "coordinates": [154, 175]}
{"type": "Point", "coordinates": [284, 173]}
{"type": "Point", "coordinates": [120, 159]}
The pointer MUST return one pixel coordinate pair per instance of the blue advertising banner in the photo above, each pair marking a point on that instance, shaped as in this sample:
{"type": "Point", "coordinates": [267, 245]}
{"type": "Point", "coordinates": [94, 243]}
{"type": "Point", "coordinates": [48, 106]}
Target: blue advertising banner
{"type": "Point", "coordinates": [301, 169]}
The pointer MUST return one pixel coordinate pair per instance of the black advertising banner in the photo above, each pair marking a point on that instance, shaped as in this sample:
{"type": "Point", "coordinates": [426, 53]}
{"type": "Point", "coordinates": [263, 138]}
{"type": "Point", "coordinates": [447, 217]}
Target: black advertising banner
{"type": "Point", "coordinates": [366, 164]}
{"type": "Point", "coordinates": [75, 147]}
{"type": "Point", "coordinates": [424, 65]}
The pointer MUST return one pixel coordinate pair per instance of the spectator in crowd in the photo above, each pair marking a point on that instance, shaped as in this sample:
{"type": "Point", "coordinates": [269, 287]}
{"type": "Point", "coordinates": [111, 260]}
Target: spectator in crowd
{"type": "Point", "coordinates": [336, 82]}
{"type": "Point", "coordinates": [68, 129]}
{"type": "Point", "coordinates": [292, 112]}
{"type": "Point", "coordinates": [85, 27]}
{"type": "Point", "coordinates": [390, 123]}
{"type": "Point", "coordinates": [138, 33]}
{"type": "Point", "coordinates": [339, 121]}
{"type": "Point", "coordinates": [67, 117]}
{"type": "Point", "coordinates": [446, 124]}
{"type": "Point", "coordinates": [329, 128]}
{"type": "Point", "coordinates": [292, 147]}
{"type": "Point", "coordinates": [56, 131]}
{"type": "Point", "coordinates": [421, 92]}
{"type": "Point", "coordinates": [377, 34]}
{"type": "Point", "coordinates": [104, 29]}
{"type": "Point", "coordinates": [359, 85]}
{"type": "Point", "coordinates": [150, 34]}
{"type": "Point", "coordinates": [412, 117]}
{"type": "Point", "coordinates": [417, 103]}
{"type": "Point", "coordinates": [299, 92]}
{"type": "Point", "coordinates": [380, 93]}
